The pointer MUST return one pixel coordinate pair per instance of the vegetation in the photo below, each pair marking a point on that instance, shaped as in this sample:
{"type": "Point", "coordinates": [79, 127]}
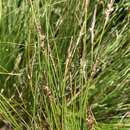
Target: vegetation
{"type": "Point", "coordinates": [64, 64]}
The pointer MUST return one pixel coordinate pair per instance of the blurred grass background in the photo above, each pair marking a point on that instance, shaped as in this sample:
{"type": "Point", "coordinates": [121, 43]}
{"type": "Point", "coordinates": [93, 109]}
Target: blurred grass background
{"type": "Point", "coordinates": [64, 64]}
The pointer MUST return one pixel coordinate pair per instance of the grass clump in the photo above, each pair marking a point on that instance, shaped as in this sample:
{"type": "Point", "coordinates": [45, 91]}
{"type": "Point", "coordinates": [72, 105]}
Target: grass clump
{"type": "Point", "coordinates": [64, 64]}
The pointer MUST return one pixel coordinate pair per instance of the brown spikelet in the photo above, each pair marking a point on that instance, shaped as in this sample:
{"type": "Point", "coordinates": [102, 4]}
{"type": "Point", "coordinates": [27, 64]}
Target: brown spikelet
{"type": "Point", "coordinates": [95, 68]}
{"type": "Point", "coordinates": [48, 93]}
{"type": "Point", "coordinates": [38, 28]}
{"type": "Point", "coordinates": [41, 34]}
{"type": "Point", "coordinates": [69, 57]}
{"type": "Point", "coordinates": [90, 119]}
{"type": "Point", "coordinates": [109, 9]}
